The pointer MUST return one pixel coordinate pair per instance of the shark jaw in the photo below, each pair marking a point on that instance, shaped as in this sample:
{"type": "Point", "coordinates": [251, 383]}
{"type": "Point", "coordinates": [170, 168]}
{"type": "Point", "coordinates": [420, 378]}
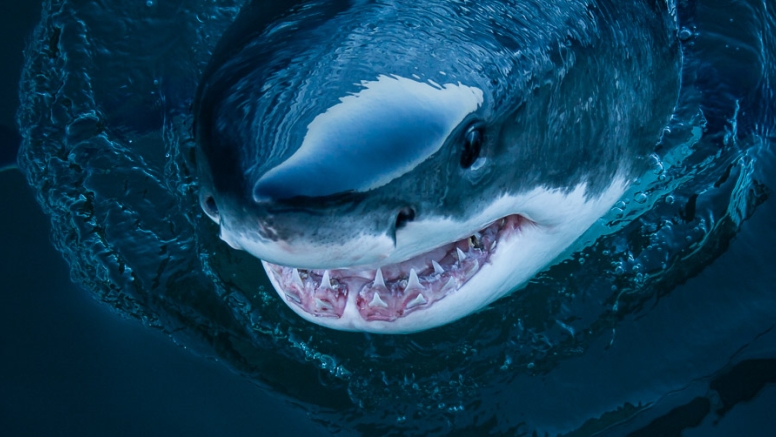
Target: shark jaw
{"type": "Point", "coordinates": [454, 279]}
{"type": "Point", "coordinates": [393, 291]}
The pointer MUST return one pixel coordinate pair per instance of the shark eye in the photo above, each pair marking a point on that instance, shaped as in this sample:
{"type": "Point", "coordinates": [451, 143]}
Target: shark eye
{"type": "Point", "coordinates": [472, 146]}
{"type": "Point", "coordinates": [405, 216]}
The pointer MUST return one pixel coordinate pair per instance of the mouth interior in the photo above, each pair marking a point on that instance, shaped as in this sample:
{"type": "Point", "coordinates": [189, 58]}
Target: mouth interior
{"type": "Point", "coordinates": [395, 290]}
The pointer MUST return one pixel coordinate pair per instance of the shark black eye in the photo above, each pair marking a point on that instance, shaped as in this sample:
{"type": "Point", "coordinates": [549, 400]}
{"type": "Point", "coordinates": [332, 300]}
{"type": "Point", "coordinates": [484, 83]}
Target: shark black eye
{"type": "Point", "coordinates": [405, 216]}
{"type": "Point", "coordinates": [472, 146]}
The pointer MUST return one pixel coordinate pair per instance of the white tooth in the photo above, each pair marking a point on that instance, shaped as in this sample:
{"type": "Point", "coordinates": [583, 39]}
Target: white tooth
{"type": "Point", "coordinates": [325, 280]}
{"type": "Point", "coordinates": [379, 281]}
{"type": "Point", "coordinates": [377, 302]}
{"type": "Point", "coordinates": [437, 268]}
{"type": "Point", "coordinates": [501, 223]}
{"type": "Point", "coordinates": [461, 255]}
{"type": "Point", "coordinates": [471, 271]}
{"type": "Point", "coordinates": [419, 300]}
{"type": "Point", "coordinates": [450, 286]}
{"type": "Point", "coordinates": [321, 305]}
{"type": "Point", "coordinates": [296, 278]}
{"type": "Point", "coordinates": [492, 245]}
{"type": "Point", "coordinates": [413, 282]}
{"type": "Point", "coordinates": [293, 298]}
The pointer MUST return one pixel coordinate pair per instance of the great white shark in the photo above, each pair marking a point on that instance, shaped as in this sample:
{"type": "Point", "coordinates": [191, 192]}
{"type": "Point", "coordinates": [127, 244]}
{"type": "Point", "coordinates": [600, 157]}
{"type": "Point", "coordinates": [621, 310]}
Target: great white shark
{"type": "Point", "coordinates": [397, 165]}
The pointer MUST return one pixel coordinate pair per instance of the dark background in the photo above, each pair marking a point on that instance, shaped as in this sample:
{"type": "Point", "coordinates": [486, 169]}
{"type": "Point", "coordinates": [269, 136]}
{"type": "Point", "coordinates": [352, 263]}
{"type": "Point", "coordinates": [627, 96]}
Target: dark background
{"type": "Point", "coordinates": [16, 21]}
{"type": "Point", "coordinates": [71, 366]}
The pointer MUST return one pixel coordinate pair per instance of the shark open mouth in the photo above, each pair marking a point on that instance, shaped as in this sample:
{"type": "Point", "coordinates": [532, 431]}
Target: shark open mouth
{"type": "Point", "coordinates": [395, 290]}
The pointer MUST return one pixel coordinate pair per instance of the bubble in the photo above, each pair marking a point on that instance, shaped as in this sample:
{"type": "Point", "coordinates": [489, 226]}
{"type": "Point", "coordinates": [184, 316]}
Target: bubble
{"type": "Point", "coordinates": [640, 198]}
{"type": "Point", "coordinates": [685, 34]}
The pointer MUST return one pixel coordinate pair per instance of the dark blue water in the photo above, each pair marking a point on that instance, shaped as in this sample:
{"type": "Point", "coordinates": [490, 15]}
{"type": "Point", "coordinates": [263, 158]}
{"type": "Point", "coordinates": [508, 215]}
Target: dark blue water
{"type": "Point", "coordinates": [666, 325]}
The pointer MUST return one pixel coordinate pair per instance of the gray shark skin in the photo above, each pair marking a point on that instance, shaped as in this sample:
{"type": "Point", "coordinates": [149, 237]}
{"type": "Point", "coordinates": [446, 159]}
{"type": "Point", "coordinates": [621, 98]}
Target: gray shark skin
{"type": "Point", "coordinates": [399, 165]}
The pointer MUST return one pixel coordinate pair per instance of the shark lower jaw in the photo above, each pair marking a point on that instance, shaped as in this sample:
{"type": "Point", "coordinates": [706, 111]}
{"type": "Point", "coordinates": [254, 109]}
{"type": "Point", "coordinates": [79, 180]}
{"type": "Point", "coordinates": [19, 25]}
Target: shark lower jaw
{"type": "Point", "coordinates": [388, 294]}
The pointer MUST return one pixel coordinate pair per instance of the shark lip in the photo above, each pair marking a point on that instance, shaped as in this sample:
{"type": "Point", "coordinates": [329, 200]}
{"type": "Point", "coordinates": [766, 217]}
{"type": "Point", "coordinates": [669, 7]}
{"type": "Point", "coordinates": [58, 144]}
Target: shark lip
{"type": "Point", "coordinates": [393, 291]}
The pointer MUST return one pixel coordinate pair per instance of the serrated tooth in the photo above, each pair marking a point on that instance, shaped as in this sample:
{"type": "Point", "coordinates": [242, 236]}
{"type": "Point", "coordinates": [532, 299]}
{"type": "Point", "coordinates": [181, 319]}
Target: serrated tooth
{"type": "Point", "coordinates": [492, 245]}
{"type": "Point", "coordinates": [413, 281]}
{"type": "Point", "coordinates": [461, 255]}
{"type": "Point", "coordinates": [377, 301]}
{"type": "Point", "coordinates": [419, 300]}
{"type": "Point", "coordinates": [321, 305]}
{"type": "Point", "coordinates": [296, 279]}
{"type": "Point", "coordinates": [294, 298]}
{"type": "Point", "coordinates": [437, 268]}
{"type": "Point", "coordinates": [326, 280]}
{"type": "Point", "coordinates": [379, 281]}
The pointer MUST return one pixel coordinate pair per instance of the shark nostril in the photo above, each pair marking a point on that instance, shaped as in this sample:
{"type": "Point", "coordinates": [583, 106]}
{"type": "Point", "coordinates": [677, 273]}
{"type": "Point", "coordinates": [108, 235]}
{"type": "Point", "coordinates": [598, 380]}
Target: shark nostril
{"type": "Point", "coordinates": [405, 216]}
{"type": "Point", "coordinates": [211, 204]}
{"type": "Point", "coordinates": [210, 207]}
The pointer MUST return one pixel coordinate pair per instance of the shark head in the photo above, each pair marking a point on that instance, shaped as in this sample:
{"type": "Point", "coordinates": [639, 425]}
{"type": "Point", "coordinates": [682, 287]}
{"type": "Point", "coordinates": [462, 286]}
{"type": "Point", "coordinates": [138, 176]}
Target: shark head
{"type": "Point", "coordinates": [394, 181]}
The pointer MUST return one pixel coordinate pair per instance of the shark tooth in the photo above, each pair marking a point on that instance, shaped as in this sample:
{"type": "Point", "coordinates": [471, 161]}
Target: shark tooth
{"type": "Point", "coordinates": [475, 267]}
{"type": "Point", "coordinates": [296, 279]}
{"type": "Point", "coordinates": [326, 280]}
{"type": "Point", "coordinates": [293, 297]}
{"type": "Point", "coordinates": [419, 300]}
{"type": "Point", "coordinates": [413, 281]}
{"type": "Point", "coordinates": [377, 301]}
{"type": "Point", "coordinates": [437, 268]}
{"type": "Point", "coordinates": [379, 281]}
{"type": "Point", "coordinates": [461, 255]}
{"type": "Point", "coordinates": [450, 286]}
{"type": "Point", "coordinates": [323, 305]}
